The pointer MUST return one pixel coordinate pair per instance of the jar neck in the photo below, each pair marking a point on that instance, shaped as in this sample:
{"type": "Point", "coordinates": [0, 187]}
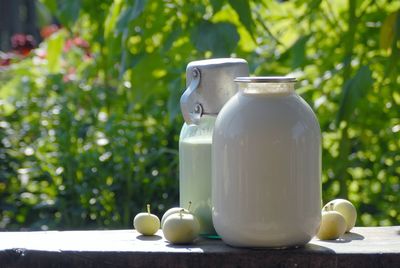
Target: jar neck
{"type": "Point", "coordinates": [267, 88]}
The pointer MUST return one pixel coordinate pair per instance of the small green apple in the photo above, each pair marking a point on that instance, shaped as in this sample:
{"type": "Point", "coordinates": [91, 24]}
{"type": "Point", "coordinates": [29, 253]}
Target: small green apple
{"type": "Point", "coordinates": [174, 210]}
{"type": "Point", "coordinates": [170, 212]}
{"type": "Point", "coordinates": [181, 228]}
{"type": "Point", "coordinates": [333, 225]}
{"type": "Point", "coordinates": [344, 207]}
{"type": "Point", "coordinates": [146, 223]}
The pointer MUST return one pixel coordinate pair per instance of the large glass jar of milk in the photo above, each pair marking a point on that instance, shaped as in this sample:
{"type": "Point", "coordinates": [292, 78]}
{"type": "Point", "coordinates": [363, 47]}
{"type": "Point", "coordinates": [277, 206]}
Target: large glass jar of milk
{"type": "Point", "coordinates": [210, 83]}
{"type": "Point", "coordinates": [266, 181]}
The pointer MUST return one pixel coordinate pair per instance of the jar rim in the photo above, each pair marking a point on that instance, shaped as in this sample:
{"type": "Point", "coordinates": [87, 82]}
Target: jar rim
{"type": "Point", "coordinates": [265, 79]}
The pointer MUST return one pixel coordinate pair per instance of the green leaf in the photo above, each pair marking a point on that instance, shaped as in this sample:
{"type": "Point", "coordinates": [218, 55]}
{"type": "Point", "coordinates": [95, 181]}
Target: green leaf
{"type": "Point", "coordinates": [112, 17]}
{"type": "Point", "coordinates": [396, 97]}
{"type": "Point", "coordinates": [43, 14]}
{"type": "Point", "coordinates": [242, 8]}
{"type": "Point", "coordinates": [129, 61]}
{"type": "Point", "coordinates": [298, 52]}
{"type": "Point", "coordinates": [388, 31]}
{"type": "Point", "coordinates": [219, 38]}
{"type": "Point", "coordinates": [54, 49]}
{"type": "Point", "coordinates": [68, 12]}
{"type": "Point", "coordinates": [173, 103]}
{"type": "Point", "coordinates": [314, 4]}
{"type": "Point", "coordinates": [172, 36]}
{"type": "Point", "coordinates": [8, 91]}
{"type": "Point", "coordinates": [129, 14]}
{"type": "Point", "coordinates": [124, 19]}
{"type": "Point", "coordinates": [354, 90]}
{"type": "Point", "coordinates": [217, 5]}
{"type": "Point", "coordinates": [391, 64]}
{"type": "Point", "coordinates": [310, 4]}
{"type": "Point", "coordinates": [50, 4]}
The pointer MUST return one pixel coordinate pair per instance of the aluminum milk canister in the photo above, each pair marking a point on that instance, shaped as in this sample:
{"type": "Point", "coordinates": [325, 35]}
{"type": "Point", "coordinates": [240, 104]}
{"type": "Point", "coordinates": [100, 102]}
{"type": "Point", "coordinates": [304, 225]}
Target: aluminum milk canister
{"type": "Point", "coordinates": [266, 180]}
{"type": "Point", "coordinates": [210, 83]}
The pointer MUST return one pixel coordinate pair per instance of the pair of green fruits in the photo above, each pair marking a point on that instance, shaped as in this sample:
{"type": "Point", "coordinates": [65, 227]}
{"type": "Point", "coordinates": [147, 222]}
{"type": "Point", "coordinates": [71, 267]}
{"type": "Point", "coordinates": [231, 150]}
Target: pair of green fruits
{"type": "Point", "coordinates": [338, 217]}
{"type": "Point", "coordinates": [179, 225]}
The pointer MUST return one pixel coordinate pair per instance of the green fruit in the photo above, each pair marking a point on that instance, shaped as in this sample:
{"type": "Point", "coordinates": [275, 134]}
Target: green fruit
{"type": "Point", "coordinates": [333, 226]}
{"type": "Point", "coordinates": [181, 228]}
{"type": "Point", "coordinates": [170, 212]}
{"type": "Point", "coordinates": [345, 208]}
{"type": "Point", "coordinates": [146, 223]}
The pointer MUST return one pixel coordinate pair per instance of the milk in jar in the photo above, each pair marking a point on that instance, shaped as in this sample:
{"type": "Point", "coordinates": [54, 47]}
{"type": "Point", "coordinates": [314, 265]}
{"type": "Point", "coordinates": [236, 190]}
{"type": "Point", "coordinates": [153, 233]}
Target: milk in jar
{"type": "Point", "coordinates": [266, 179]}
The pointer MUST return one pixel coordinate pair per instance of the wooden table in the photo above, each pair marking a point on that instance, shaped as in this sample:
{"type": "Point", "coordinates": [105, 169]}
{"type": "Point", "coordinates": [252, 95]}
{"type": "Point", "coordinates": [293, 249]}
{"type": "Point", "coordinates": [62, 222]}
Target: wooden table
{"type": "Point", "coordinates": [364, 247]}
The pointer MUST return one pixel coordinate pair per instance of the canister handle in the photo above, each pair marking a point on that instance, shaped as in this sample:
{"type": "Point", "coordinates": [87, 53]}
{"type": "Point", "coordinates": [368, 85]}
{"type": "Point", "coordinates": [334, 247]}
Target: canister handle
{"type": "Point", "coordinates": [190, 107]}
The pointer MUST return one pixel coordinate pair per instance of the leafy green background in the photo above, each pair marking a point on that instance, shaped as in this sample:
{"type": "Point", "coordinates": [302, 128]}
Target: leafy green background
{"type": "Point", "coordinates": [89, 135]}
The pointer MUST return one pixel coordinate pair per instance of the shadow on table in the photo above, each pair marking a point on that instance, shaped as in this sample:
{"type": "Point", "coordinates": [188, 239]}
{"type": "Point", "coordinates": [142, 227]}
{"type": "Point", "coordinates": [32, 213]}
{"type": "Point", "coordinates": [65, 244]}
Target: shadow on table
{"type": "Point", "coordinates": [213, 246]}
{"type": "Point", "coordinates": [354, 236]}
{"type": "Point", "coordinates": [149, 237]}
{"type": "Point", "coordinates": [346, 238]}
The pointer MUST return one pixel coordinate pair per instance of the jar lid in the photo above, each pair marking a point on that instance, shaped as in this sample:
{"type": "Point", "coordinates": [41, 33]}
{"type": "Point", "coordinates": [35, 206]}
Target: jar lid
{"type": "Point", "coordinates": [265, 79]}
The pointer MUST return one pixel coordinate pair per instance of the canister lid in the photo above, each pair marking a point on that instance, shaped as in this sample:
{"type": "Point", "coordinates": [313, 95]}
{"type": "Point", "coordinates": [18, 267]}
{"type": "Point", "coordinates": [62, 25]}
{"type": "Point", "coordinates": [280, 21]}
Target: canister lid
{"type": "Point", "coordinates": [210, 84]}
{"type": "Point", "coordinates": [266, 79]}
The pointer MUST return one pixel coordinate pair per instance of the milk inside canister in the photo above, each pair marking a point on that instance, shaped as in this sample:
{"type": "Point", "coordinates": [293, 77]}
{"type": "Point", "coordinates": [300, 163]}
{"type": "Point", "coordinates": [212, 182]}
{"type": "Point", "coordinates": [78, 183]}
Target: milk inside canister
{"type": "Point", "coordinates": [210, 84]}
{"type": "Point", "coordinates": [195, 177]}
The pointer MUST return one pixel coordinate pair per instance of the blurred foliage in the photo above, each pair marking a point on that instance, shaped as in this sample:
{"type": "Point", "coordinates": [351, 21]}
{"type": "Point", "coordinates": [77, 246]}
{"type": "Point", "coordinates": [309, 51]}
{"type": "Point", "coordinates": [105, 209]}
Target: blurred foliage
{"type": "Point", "coordinates": [89, 122]}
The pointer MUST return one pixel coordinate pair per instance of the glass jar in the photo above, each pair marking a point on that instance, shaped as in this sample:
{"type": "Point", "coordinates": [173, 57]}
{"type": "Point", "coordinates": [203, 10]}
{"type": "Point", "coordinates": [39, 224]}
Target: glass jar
{"type": "Point", "coordinates": [266, 171]}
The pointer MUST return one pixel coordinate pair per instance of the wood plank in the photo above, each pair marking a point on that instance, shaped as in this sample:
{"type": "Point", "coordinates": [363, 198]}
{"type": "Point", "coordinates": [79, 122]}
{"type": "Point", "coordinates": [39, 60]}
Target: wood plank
{"type": "Point", "coordinates": [364, 247]}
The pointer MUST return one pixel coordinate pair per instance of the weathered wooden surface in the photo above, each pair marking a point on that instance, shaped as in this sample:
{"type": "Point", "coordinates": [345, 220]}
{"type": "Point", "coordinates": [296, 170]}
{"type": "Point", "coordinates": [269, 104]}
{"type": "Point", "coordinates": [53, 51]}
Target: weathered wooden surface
{"type": "Point", "coordinates": [364, 247]}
